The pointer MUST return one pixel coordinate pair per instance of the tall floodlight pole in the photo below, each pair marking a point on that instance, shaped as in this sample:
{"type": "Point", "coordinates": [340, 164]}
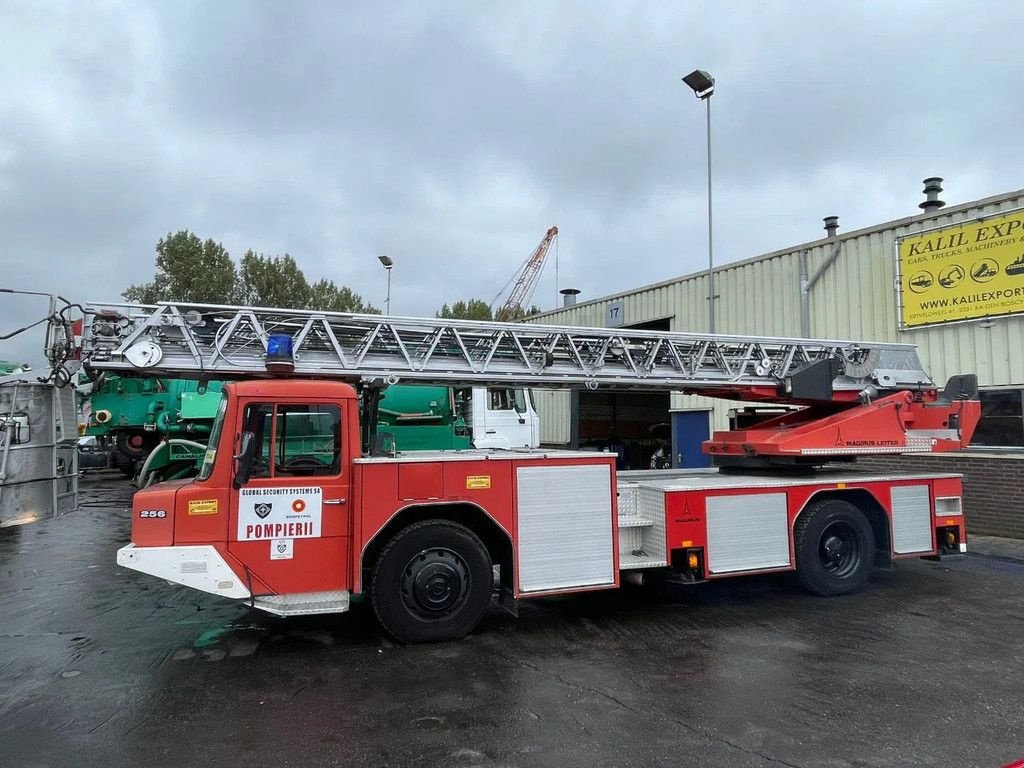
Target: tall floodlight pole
{"type": "Point", "coordinates": [703, 85]}
{"type": "Point", "coordinates": [388, 264]}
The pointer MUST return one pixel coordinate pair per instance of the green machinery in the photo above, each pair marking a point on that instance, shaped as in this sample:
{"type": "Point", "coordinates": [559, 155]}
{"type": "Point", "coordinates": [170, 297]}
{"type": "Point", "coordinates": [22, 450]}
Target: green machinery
{"type": "Point", "coordinates": [157, 429]}
{"type": "Point", "coordinates": [425, 418]}
{"type": "Point", "coordinates": [162, 422]}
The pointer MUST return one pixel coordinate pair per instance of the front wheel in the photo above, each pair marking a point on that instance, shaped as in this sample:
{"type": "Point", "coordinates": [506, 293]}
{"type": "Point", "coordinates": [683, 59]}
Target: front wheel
{"type": "Point", "coordinates": [432, 582]}
{"type": "Point", "coordinates": [835, 548]}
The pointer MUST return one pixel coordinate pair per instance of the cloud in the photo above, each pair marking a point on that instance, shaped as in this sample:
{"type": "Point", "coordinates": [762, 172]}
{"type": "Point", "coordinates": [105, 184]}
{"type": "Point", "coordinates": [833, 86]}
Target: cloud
{"type": "Point", "coordinates": [452, 136]}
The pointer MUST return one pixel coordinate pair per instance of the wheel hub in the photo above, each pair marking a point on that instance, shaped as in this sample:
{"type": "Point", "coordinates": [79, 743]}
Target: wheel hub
{"type": "Point", "coordinates": [435, 583]}
{"type": "Point", "coordinates": [839, 549]}
{"type": "Point", "coordinates": [835, 548]}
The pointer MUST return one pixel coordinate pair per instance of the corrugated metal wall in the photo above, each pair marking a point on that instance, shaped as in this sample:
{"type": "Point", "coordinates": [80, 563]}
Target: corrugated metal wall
{"type": "Point", "coordinates": [553, 411]}
{"type": "Point", "coordinates": [855, 298]}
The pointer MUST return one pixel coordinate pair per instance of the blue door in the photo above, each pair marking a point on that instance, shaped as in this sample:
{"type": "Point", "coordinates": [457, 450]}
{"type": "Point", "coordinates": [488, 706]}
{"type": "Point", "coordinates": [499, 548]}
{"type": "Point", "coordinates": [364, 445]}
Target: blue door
{"type": "Point", "coordinates": [689, 430]}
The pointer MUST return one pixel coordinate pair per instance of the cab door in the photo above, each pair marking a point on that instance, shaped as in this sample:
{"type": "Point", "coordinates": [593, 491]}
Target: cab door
{"type": "Point", "coordinates": [290, 522]}
{"type": "Point", "coordinates": [505, 421]}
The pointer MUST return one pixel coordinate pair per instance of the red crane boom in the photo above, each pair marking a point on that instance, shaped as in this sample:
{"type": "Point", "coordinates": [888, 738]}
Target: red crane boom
{"type": "Point", "coordinates": [525, 280]}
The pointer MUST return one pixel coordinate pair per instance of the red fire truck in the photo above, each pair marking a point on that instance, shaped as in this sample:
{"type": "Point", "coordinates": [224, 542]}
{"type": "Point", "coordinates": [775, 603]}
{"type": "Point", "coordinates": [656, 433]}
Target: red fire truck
{"type": "Point", "coordinates": [298, 507]}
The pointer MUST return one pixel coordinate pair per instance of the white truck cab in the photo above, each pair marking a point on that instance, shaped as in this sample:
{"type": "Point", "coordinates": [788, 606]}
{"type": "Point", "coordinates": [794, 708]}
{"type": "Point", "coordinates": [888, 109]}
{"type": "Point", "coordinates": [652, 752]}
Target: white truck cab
{"type": "Point", "coordinates": [504, 417]}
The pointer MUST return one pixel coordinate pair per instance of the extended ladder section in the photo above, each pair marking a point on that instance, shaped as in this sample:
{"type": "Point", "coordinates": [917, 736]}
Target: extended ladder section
{"type": "Point", "coordinates": [232, 342]}
{"type": "Point", "coordinates": [225, 342]}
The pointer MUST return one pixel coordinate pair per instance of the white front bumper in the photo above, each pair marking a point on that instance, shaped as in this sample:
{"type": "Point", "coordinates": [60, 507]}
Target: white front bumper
{"type": "Point", "coordinates": [199, 567]}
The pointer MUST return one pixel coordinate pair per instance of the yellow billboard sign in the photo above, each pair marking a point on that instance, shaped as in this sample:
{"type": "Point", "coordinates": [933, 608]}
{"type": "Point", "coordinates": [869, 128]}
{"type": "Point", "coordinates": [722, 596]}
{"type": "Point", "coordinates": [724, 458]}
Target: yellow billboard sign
{"type": "Point", "coordinates": [962, 272]}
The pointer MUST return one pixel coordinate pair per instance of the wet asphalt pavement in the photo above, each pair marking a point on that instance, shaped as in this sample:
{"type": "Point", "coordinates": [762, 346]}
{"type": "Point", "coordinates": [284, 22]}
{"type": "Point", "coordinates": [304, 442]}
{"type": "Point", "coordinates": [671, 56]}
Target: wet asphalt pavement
{"type": "Point", "coordinates": [101, 666]}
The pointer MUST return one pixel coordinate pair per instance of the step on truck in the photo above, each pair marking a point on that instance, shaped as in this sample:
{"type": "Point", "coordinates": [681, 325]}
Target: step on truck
{"type": "Point", "coordinates": [300, 526]}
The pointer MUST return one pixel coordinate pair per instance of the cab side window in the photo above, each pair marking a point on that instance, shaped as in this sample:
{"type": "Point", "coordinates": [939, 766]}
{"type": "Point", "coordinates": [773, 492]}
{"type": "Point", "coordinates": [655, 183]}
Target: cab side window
{"type": "Point", "coordinates": [308, 440]}
{"type": "Point", "coordinates": [500, 399]}
{"type": "Point", "coordinates": [295, 440]}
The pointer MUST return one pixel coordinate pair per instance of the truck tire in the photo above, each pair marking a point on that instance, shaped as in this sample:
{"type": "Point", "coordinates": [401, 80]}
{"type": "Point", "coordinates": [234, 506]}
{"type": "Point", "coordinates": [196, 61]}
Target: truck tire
{"type": "Point", "coordinates": [835, 548]}
{"type": "Point", "coordinates": [432, 582]}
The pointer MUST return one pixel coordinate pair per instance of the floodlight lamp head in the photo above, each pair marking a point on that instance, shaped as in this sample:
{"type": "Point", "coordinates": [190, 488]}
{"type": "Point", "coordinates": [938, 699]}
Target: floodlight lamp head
{"type": "Point", "coordinates": [702, 83]}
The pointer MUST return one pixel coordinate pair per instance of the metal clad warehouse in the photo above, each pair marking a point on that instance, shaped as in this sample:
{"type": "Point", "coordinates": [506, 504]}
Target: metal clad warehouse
{"type": "Point", "coordinates": [853, 294]}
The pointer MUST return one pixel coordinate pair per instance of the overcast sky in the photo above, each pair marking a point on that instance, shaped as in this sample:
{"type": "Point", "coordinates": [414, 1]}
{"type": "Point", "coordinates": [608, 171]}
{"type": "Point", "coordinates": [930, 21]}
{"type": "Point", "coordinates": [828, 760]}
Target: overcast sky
{"type": "Point", "coordinates": [451, 135]}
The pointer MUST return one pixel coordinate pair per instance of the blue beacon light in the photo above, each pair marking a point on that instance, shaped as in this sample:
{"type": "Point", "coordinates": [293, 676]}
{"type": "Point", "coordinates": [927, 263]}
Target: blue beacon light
{"type": "Point", "coordinates": [279, 353]}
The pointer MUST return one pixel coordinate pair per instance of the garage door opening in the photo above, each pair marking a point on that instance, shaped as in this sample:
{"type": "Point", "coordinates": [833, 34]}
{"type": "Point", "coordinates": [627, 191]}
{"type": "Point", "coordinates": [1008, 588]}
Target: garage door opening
{"type": "Point", "coordinates": [635, 425]}
{"type": "Point", "coordinates": [631, 424]}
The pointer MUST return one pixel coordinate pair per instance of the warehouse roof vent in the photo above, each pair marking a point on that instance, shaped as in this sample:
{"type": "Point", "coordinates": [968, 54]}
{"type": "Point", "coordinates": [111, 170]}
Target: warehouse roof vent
{"type": "Point", "coordinates": [569, 296]}
{"type": "Point", "coordinates": [831, 225]}
{"type": "Point", "coordinates": [932, 188]}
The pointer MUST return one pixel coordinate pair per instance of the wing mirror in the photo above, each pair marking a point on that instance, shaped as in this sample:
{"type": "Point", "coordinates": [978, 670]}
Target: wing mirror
{"type": "Point", "coordinates": [243, 461]}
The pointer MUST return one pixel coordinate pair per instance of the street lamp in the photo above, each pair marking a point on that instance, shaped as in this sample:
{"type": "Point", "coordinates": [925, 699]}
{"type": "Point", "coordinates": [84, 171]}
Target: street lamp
{"type": "Point", "coordinates": [388, 264]}
{"type": "Point", "coordinates": [703, 85]}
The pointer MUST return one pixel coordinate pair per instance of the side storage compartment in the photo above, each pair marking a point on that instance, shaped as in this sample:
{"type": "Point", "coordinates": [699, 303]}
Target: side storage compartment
{"type": "Point", "coordinates": [747, 532]}
{"type": "Point", "coordinates": [565, 531]}
{"type": "Point", "coordinates": [911, 519]}
{"type": "Point", "coordinates": [641, 527]}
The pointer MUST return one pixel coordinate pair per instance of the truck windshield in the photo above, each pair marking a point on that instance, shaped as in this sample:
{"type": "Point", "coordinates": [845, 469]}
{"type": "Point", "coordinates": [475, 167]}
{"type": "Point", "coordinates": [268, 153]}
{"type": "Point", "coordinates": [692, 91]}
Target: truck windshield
{"type": "Point", "coordinates": [211, 447]}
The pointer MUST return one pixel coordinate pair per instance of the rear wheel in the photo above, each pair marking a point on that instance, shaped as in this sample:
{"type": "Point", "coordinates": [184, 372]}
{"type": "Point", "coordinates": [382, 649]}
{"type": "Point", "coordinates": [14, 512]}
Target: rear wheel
{"type": "Point", "coordinates": [835, 548]}
{"type": "Point", "coordinates": [432, 582]}
{"type": "Point", "coordinates": [130, 450]}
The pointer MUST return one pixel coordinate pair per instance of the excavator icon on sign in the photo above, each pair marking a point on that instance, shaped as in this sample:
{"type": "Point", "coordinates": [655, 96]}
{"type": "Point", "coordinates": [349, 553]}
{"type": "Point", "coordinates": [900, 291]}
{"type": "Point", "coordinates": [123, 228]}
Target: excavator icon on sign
{"type": "Point", "coordinates": [952, 276]}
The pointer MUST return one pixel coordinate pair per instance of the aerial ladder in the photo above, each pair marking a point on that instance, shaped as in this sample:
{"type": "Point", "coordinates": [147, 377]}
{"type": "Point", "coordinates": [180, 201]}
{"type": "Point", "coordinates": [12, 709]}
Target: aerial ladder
{"type": "Point", "coordinates": [853, 398]}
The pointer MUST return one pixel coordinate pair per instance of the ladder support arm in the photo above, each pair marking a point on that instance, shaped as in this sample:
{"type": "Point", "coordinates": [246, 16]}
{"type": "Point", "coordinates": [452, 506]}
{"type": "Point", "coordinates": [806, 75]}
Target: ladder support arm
{"type": "Point", "coordinates": [898, 423]}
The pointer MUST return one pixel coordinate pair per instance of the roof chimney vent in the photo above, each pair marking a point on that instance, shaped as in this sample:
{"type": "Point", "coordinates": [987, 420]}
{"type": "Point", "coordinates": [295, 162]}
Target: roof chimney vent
{"type": "Point", "coordinates": [932, 188]}
{"type": "Point", "coordinates": [569, 296]}
{"type": "Point", "coordinates": [831, 225]}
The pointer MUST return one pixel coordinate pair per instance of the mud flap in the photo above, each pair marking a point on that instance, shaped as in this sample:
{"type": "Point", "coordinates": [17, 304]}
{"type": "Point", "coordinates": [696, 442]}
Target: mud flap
{"type": "Point", "coordinates": [508, 602]}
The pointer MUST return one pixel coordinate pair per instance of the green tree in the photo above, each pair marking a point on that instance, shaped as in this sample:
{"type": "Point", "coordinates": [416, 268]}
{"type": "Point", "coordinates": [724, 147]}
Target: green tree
{"type": "Point", "coordinates": [272, 281]}
{"type": "Point", "coordinates": [474, 309]}
{"type": "Point", "coordinates": [325, 296]}
{"type": "Point", "coordinates": [190, 270]}
{"type": "Point", "coordinates": [517, 313]}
